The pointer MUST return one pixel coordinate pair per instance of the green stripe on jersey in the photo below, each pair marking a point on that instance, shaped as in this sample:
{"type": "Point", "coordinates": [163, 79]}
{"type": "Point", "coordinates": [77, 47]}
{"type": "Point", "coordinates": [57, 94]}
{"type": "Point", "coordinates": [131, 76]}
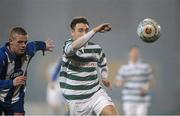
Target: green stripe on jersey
{"type": "Point", "coordinates": [78, 87]}
{"type": "Point", "coordinates": [92, 51]}
{"type": "Point", "coordinates": [78, 78]}
{"type": "Point", "coordinates": [102, 57]}
{"type": "Point", "coordinates": [91, 43]}
{"type": "Point", "coordinates": [80, 97]}
{"type": "Point", "coordinates": [81, 59]}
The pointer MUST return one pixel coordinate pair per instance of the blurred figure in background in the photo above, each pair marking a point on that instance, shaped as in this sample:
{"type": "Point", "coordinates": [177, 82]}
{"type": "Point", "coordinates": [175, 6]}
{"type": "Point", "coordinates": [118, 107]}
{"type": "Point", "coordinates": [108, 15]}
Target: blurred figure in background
{"type": "Point", "coordinates": [54, 99]}
{"type": "Point", "coordinates": [136, 79]}
{"type": "Point", "coordinates": [54, 95]}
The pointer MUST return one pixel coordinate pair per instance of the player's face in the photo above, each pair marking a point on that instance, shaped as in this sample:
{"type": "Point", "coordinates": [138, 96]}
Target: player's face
{"type": "Point", "coordinates": [134, 54]}
{"type": "Point", "coordinates": [18, 43]}
{"type": "Point", "coordinates": [79, 30]}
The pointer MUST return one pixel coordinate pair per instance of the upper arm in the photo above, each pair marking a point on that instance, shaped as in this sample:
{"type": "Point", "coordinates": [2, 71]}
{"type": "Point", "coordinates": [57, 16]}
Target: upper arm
{"type": "Point", "coordinates": [1, 62]}
{"type": "Point", "coordinates": [102, 64]}
{"type": "Point", "coordinates": [4, 83]}
{"type": "Point", "coordinates": [120, 78]}
{"type": "Point", "coordinates": [149, 73]}
{"type": "Point", "coordinates": [1, 66]}
{"type": "Point", "coordinates": [67, 49]}
{"type": "Point", "coordinates": [121, 74]}
{"type": "Point", "coordinates": [57, 70]}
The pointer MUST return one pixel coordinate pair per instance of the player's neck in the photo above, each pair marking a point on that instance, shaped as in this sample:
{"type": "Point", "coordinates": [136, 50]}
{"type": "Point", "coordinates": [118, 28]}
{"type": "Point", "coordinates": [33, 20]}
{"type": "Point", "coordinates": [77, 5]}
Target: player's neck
{"type": "Point", "coordinates": [134, 61]}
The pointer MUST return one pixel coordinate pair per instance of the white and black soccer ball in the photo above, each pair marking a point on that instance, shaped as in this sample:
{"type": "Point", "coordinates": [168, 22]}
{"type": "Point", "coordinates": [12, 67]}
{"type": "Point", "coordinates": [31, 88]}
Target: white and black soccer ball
{"type": "Point", "coordinates": [149, 30]}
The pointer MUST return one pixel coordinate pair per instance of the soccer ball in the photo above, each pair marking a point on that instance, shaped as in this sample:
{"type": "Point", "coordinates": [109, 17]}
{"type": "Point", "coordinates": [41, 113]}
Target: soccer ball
{"type": "Point", "coordinates": [149, 30]}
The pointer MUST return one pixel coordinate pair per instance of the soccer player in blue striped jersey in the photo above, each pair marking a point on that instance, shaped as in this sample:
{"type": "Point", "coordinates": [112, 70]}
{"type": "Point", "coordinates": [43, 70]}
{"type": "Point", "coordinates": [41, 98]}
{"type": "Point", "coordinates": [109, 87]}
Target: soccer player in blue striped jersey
{"type": "Point", "coordinates": [136, 79]}
{"type": "Point", "coordinates": [15, 57]}
{"type": "Point", "coordinates": [80, 64]}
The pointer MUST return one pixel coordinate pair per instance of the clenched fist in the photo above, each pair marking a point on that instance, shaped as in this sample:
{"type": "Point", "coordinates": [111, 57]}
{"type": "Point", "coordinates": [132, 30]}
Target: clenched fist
{"type": "Point", "coordinates": [103, 28]}
{"type": "Point", "coordinates": [20, 80]}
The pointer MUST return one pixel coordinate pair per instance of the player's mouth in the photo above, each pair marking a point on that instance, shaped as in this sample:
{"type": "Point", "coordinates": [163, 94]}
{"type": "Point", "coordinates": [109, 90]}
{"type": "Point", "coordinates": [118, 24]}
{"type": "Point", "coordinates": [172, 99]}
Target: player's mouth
{"type": "Point", "coordinates": [22, 50]}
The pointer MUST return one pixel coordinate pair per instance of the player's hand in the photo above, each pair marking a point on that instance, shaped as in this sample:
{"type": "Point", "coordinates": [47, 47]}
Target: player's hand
{"type": "Point", "coordinates": [20, 80]}
{"type": "Point", "coordinates": [107, 83]}
{"type": "Point", "coordinates": [143, 92]}
{"type": "Point", "coordinates": [52, 85]}
{"type": "Point", "coordinates": [103, 28]}
{"type": "Point", "coordinates": [49, 45]}
{"type": "Point", "coordinates": [144, 89]}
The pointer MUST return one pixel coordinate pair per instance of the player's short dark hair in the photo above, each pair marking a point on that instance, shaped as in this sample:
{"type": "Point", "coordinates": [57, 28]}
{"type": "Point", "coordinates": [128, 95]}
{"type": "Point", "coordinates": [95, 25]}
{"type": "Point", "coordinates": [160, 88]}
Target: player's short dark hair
{"type": "Point", "coordinates": [18, 30]}
{"type": "Point", "coordinates": [78, 20]}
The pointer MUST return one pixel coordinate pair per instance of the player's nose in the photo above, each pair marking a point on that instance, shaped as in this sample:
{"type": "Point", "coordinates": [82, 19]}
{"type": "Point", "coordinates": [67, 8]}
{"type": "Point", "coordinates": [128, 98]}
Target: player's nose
{"type": "Point", "coordinates": [24, 45]}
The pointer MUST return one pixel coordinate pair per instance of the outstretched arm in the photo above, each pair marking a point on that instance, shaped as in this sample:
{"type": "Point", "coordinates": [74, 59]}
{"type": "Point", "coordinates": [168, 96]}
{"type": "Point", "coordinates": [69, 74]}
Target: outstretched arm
{"type": "Point", "coordinates": [78, 43]}
{"type": "Point", "coordinates": [35, 46]}
{"type": "Point", "coordinates": [49, 45]}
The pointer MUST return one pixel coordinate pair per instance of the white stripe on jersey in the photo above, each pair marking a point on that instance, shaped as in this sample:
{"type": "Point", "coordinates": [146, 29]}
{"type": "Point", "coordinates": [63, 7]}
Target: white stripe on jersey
{"type": "Point", "coordinates": [75, 82]}
{"type": "Point", "coordinates": [83, 74]}
{"type": "Point", "coordinates": [133, 85]}
{"type": "Point", "coordinates": [136, 98]}
{"type": "Point", "coordinates": [15, 98]}
{"type": "Point", "coordinates": [135, 75]}
{"type": "Point", "coordinates": [125, 91]}
{"type": "Point", "coordinates": [138, 79]}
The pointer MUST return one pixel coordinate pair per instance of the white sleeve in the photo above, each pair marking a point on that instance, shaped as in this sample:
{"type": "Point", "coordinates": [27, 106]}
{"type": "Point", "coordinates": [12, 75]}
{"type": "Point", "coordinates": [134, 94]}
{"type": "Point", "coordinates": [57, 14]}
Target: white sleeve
{"type": "Point", "coordinates": [120, 74]}
{"type": "Point", "coordinates": [78, 43]}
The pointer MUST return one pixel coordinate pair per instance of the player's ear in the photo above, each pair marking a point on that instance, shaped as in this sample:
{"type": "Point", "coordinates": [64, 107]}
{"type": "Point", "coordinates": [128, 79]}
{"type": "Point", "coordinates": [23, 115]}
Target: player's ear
{"type": "Point", "coordinates": [72, 32]}
{"type": "Point", "coordinates": [10, 39]}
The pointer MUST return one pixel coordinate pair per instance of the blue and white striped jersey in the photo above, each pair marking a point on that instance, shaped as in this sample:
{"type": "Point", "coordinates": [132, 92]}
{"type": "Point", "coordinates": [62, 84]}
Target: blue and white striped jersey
{"type": "Point", "coordinates": [12, 66]}
{"type": "Point", "coordinates": [134, 76]}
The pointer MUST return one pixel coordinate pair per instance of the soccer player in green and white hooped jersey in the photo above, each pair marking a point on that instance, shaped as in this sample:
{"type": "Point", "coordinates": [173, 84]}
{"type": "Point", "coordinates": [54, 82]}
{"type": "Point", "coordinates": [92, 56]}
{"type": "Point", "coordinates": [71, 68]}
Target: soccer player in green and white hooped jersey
{"type": "Point", "coordinates": [136, 80]}
{"type": "Point", "coordinates": [80, 64]}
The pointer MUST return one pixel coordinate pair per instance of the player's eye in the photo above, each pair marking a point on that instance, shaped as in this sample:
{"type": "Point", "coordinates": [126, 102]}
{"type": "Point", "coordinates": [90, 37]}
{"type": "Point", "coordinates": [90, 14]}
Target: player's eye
{"type": "Point", "coordinates": [81, 30]}
{"type": "Point", "coordinates": [22, 42]}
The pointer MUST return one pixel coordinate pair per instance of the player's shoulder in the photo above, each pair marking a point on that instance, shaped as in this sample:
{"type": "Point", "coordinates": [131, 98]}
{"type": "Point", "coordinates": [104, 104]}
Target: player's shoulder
{"type": "Point", "coordinates": [69, 40]}
{"type": "Point", "coordinates": [145, 65]}
{"type": "Point", "coordinates": [124, 67]}
{"type": "Point", "coordinates": [2, 53]}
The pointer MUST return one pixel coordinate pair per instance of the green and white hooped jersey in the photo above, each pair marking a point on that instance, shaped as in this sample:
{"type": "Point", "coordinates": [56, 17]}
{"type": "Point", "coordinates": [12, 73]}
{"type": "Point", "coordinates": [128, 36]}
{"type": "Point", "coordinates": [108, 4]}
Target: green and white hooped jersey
{"type": "Point", "coordinates": [135, 76]}
{"type": "Point", "coordinates": [79, 71]}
